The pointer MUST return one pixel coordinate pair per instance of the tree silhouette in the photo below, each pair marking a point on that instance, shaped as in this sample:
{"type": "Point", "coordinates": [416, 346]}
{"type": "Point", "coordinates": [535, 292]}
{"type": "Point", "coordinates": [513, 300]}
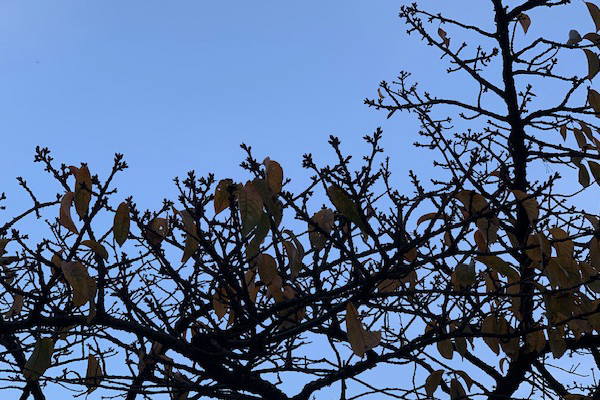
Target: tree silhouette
{"type": "Point", "coordinates": [481, 283]}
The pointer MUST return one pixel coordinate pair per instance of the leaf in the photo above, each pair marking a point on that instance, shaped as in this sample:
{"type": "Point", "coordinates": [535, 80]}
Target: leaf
{"type": "Point", "coordinates": [274, 176]}
{"type": "Point", "coordinates": [94, 374]}
{"type": "Point", "coordinates": [251, 207]}
{"type": "Point", "coordinates": [473, 202]}
{"type": "Point", "coordinates": [529, 204]}
{"type": "Point", "coordinates": [361, 340]}
{"type": "Point", "coordinates": [221, 199]}
{"type": "Point", "coordinates": [191, 242]}
{"type": "Point", "coordinates": [345, 205]}
{"type": "Point", "coordinates": [594, 100]}
{"type": "Point", "coordinates": [65, 213]}
{"type": "Point", "coordinates": [16, 307]}
{"type": "Point", "coordinates": [433, 381]}
{"type": "Point", "coordinates": [121, 223]}
{"type": "Point", "coordinates": [269, 275]}
{"type": "Point", "coordinates": [83, 190]}
{"type": "Point", "coordinates": [456, 390]}
{"type": "Point", "coordinates": [96, 247]}
{"type": "Point", "coordinates": [584, 176]}
{"type": "Point", "coordinates": [84, 287]}
{"type": "Point", "coordinates": [445, 348]}
{"type": "Point", "coordinates": [499, 265]}
{"type": "Point", "coordinates": [444, 37]}
{"type": "Point", "coordinates": [525, 21]}
{"type": "Point", "coordinates": [563, 132]}
{"type": "Point", "coordinates": [490, 326]}
{"type": "Point", "coordinates": [594, 13]}
{"type": "Point", "coordinates": [220, 302]}
{"type": "Point", "coordinates": [324, 219]}
{"type": "Point", "coordinates": [3, 243]}
{"type": "Point", "coordinates": [428, 216]}
{"type": "Point", "coordinates": [40, 359]}
{"type": "Point", "coordinates": [157, 230]}
{"type": "Point", "coordinates": [581, 142]}
{"type": "Point", "coordinates": [464, 275]}
{"type": "Point", "coordinates": [468, 380]}
{"type": "Point", "coordinates": [595, 168]}
{"type": "Point", "coordinates": [593, 63]}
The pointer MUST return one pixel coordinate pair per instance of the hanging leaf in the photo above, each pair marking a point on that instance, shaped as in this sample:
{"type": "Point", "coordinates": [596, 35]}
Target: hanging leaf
{"type": "Point", "coordinates": [191, 243]}
{"type": "Point", "coordinates": [442, 34]}
{"type": "Point", "coordinates": [121, 223]}
{"type": "Point", "coordinates": [594, 13]}
{"type": "Point", "coordinates": [221, 200]}
{"type": "Point", "coordinates": [220, 302]}
{"type": "Point", "coordinates": [429, 216]}
{"type": "Point", "coordinates": [457, 392]}
{"type": "Point", "coordinates": [251, 207]}
{"type": "Point", "coordinates": [96, 247]}
{"type": "Point", "coordinates": [324, 219]}
{"type": "Point", "coordinates": [525, 21]}
{"type": "Point", "coordinates": [274, 176]}
{"type": "Point", "coordinates": [593, 63]}
{"type": "Point", "coordinates": [473, 202]}
{"type": "Point", "coordinates": [65, 213]}
{"type": "Point", "coordinates": [580, 138]}
{"type": "Point", "coordinates": [157, 230]}
{"type": "Point", "coordinates": [83, 190]}
{"type": "Point", "coordinates": [16, 307]}
{"type": "Point", "coordinates": [594, 100]}
{"type": "Point", "coordinates": [361, 340]}
{"type": "Point", "coordinates": [529, 204]}
{"type": "Point", "coordinates": [584, 176]}
{"type": "Point", "coordinates": [556, 338]}
{"type": "Point", "coordinates": [83, 286]}
{"type": "Point", "coordinates": [563, 132]}
{"type": "Point", "coordinates": [464, 275]}
{"type": "Point", "coordinates": [345, 205]}
{"type": "Point", "coordinates": [40, 359]}
{"type": "Point", "coordinates": [433, 381]}
{"type": "Point", "coordinates": [445, 348]}
{"type": "Point", "coordinates": [595, 168]}
{"type": "Point", "coordinates": [468, 380]}
{"type": "Point", "coordinates": [497, 264]}
{"type": "Point", "coordinates": [269, 275]}
{"type": "Point", "coordinates": [94, 374]}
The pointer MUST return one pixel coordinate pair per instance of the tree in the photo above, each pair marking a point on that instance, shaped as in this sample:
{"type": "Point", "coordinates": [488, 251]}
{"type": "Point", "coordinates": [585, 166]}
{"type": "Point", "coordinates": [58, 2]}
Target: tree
{"type": "Point", "coordinates": [481, 283]}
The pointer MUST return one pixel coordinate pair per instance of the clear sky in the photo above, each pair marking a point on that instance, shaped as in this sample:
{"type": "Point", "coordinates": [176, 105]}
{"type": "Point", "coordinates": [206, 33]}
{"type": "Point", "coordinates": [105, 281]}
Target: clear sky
{"type": "Point", "coordinates": [178, 85]}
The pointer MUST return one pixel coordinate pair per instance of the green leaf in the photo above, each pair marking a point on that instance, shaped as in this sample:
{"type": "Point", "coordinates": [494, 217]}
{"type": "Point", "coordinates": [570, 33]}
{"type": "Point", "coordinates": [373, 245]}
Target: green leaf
{"type": "Point", "coordinates": [345, 205]}
{"type": "Point", "coordinates": [40, 359]}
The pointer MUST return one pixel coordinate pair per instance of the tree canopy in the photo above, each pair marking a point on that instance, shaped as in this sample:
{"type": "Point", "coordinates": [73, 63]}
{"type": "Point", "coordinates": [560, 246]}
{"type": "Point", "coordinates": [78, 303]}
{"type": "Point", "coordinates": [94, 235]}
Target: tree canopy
{"type": "Point", "coordinates": [480, 282]}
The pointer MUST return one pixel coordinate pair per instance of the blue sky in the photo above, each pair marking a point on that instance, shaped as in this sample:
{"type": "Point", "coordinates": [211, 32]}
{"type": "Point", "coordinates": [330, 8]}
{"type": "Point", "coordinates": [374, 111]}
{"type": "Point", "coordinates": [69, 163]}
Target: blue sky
{"type": "Point", "coordinates": [179, 85]}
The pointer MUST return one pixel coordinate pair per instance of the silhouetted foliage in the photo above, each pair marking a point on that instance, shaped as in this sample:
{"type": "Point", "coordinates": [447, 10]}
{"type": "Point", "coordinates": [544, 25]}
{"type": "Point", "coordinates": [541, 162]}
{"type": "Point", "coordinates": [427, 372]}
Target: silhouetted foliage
{"type": "Point", "coordinates": [480, 283]}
